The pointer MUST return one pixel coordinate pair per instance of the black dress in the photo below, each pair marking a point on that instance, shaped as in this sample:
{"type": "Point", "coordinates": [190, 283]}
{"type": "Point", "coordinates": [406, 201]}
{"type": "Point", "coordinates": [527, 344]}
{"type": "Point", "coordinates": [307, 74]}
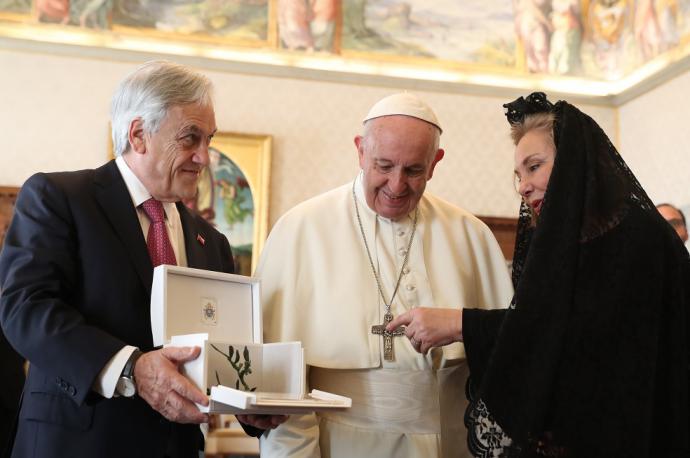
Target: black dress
{"type": "Point", "coordinates": [591, 358]}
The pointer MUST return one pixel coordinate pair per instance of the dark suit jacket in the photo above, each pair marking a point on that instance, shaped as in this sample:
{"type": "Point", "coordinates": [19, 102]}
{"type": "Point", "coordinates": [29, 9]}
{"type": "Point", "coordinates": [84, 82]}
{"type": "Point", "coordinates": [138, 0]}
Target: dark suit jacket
{"type": "Point", "coordinates": [76, 284]}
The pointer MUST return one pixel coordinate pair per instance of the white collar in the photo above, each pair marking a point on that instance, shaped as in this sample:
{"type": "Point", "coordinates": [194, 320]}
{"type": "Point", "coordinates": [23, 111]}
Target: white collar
{"type": "Point", "coordinates": [137, 191]}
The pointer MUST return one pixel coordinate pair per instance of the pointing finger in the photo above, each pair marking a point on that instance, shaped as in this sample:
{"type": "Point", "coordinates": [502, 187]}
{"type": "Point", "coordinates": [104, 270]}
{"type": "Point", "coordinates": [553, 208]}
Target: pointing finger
{"type": "Point", "coordinates": [400, 320]}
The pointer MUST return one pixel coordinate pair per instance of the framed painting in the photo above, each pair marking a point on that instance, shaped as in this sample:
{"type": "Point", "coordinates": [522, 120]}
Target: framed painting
{"type": "Point", "coordinates": [233, 193]}
{"type": "Point", "coordinates": [8, 196]}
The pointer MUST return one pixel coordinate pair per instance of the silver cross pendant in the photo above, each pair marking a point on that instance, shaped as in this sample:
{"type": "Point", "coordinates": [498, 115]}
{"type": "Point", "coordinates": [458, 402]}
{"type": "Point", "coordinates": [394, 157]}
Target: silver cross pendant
{"type": "Point", "coordinates": [380, 330]}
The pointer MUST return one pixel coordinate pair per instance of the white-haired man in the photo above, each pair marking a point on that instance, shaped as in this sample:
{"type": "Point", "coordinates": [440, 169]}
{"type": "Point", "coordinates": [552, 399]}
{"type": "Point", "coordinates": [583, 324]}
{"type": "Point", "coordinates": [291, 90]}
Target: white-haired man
{"type": "Point", "coordinates": [339, 266]}
{"type": "Point", "coordinates": [76, 273]}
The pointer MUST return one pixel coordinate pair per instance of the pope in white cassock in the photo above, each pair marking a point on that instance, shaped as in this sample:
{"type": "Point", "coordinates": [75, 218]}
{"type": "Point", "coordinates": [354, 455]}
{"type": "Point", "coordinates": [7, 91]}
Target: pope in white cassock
{"type": "Point", "coordinates": [337, 267]}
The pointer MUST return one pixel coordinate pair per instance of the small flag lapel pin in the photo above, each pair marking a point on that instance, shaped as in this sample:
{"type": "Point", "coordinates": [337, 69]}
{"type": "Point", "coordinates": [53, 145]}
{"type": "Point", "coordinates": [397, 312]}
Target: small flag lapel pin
{"type": "Point", "coordinates": [200, 239]}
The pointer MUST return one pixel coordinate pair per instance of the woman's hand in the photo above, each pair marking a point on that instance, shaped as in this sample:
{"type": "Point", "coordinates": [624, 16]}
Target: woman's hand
{"type": "Point", "coordinates": [430, 327]}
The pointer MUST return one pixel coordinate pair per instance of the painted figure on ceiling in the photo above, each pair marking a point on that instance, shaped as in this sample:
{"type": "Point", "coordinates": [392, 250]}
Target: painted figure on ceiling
{"type": "Point", "coordinates": [95, 14]}
{"type": "Point", "coordinates": [306, 24]}
{"type": "Point", "coordinates": [608, 29]}
{"type": "Point", "coordinates": [564, 53]}
{"type": "Point", "coordinates": [323, 23]}
{"type": "Point", "coordinates": [533, 29]}
{"type": "Point", "coordinates": [52, 11]}
{"type": "Point", "coordinates": [647, 29]}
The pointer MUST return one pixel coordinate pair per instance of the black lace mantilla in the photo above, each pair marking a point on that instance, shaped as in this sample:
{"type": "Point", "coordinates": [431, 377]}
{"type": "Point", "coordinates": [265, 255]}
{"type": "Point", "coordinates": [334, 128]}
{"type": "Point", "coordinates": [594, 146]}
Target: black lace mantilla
{"type": "Point", "coordinates": [591, 358]}
{"type": "Point", "coordinates": [536, 102]}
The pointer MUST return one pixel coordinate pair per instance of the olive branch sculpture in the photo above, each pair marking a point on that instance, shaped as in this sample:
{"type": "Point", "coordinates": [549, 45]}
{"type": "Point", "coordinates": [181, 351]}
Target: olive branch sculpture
{"type": "Point", "coordinates": [241, 368]}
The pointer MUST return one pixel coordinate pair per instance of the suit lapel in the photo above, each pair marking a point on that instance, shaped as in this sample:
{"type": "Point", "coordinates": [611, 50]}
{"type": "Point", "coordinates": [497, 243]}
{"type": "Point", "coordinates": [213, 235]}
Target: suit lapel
{"type": "Point", "coordinates": [112, 195]}
{"type": "Point", "coordinates": [194, 239]}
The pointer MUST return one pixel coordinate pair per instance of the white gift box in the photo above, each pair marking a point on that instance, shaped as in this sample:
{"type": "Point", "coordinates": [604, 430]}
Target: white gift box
{"type": "Point", "coordinates": [221, 314]}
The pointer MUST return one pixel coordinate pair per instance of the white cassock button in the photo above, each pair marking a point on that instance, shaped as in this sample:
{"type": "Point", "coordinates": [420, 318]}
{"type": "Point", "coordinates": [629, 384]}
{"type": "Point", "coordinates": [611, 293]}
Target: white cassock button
{"type": "Point", "coordinates": [410, 287]}
{"type": "Point", "coordinates": [402, 251]}
{"type": "Point", "coordinates": [401, 232]}
{"type": "Point", "coordinates": [406, 270]}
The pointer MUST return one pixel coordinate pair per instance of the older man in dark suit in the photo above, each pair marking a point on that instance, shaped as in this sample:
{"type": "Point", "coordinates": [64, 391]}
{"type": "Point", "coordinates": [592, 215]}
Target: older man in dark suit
{"type": "Point", "coordinates": [76, 275]}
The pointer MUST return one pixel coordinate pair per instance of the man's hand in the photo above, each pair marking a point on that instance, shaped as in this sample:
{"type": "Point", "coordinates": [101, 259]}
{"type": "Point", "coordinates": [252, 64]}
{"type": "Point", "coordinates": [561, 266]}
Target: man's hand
{"type": "Point", "coordinates": [262, 421]}
{"type": "Point", "coordinates": [430, 327]}
{"type": "Point", "coordinates": [160, 383]}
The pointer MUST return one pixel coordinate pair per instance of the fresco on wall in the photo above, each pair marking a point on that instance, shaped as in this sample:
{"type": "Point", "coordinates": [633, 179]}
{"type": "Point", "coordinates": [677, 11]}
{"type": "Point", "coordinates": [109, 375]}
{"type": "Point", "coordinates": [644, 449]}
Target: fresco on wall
{"type": "Point", "coordinates": [307, 25]}
{"type": "Point", "coordinates": [84, 13]}
{"type": "Point", "coordinates": [15, 6]}
{"type": "Point", "coordinates": [238, 19]}
{"type": "Point", "coordinates": [245, 20]}
{"type": "Point", "coordinates": [474, 31]}
{"type": "Point", "coordinates": [608, 25]}
{"type": "Point", "coordinates": [597, 39]}
{"type": "Point", "coordinates": [623, 34]}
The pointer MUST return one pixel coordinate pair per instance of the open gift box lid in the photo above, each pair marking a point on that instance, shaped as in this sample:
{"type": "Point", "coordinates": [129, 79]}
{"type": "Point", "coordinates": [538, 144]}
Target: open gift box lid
{"type": "Point", "coordinates": [190, 301]}
{"type": "Point", "coordinates": [221, 314]}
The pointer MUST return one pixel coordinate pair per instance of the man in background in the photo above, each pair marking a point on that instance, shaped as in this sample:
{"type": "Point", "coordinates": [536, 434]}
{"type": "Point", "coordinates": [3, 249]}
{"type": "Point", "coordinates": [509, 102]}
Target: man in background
{"type": "Point", "coordinates": [675, 218]}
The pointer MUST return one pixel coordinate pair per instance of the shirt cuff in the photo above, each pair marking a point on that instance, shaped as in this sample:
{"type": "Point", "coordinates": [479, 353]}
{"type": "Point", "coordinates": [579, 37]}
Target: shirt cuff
{"type": "Point", "coordinates": [106, 381]}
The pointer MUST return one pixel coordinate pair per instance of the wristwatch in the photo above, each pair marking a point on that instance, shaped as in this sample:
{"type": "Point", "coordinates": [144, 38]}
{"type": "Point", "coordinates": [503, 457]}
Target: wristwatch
{"type": "Point", "coordinates": [126, 385]}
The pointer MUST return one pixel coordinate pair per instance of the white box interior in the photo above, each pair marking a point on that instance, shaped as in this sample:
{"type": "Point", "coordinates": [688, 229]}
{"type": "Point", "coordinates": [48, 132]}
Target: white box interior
{"type": "Point", "coordinates": [186, 301]}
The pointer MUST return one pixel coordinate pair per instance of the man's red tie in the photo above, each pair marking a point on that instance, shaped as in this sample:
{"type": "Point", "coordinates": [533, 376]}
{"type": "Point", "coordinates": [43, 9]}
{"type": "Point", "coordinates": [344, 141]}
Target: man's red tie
{"type": "Point", "coordinates": [160, 249]}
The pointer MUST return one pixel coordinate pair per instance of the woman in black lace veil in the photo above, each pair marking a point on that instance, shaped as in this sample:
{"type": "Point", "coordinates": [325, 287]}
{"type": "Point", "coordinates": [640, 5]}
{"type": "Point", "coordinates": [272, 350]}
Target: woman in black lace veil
{"type": "Point", "coordinates": [591, 358]}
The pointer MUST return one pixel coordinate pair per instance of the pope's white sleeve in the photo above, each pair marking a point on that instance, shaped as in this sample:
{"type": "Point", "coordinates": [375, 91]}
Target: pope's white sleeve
{"type": "Point", "coordinates": [298, 437]}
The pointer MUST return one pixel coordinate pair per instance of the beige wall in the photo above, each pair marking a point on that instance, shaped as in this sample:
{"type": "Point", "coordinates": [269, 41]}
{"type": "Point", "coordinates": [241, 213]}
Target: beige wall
{"type": "Point", "coordinates": [54, 116]}
{"type": "Point", "coordinates": [655, 140]}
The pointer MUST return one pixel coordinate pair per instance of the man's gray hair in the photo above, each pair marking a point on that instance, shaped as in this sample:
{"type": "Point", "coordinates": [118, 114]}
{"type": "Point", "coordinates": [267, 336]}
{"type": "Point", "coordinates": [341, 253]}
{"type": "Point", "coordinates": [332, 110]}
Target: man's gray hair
{"type": "Point", "coordinates": [148, 93]}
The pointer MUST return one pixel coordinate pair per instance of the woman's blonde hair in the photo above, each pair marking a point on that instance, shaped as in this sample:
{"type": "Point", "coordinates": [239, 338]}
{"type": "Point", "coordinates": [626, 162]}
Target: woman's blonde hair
{"type": "Point", "coordinates": [537, 121]}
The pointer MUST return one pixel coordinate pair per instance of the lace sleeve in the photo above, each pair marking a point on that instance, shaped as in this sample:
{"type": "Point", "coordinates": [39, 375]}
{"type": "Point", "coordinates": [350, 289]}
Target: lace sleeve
{"type": "Point", "coordinates": [480, 328]}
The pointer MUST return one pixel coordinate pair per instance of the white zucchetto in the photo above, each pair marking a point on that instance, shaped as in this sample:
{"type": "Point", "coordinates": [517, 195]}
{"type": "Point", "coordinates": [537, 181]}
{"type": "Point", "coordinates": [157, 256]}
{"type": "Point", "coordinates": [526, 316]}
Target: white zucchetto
{"type": "Point", "coordinates": [404, 103]}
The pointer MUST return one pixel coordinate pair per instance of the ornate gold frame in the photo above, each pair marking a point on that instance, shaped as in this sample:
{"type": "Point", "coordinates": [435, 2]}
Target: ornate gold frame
{"type": "Point", "coordinates": [252, 154]}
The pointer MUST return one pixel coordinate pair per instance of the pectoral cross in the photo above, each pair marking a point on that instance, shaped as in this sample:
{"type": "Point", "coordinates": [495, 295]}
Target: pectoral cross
{"type": "Point", "coordinates": [380, 330]}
